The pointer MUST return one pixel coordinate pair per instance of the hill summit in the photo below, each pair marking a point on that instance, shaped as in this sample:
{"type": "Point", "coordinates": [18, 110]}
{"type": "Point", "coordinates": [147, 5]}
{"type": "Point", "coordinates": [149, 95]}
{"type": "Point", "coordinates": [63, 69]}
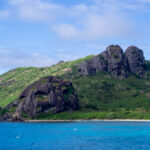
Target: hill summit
{"type": "Point", "coordinates": [116, 62]}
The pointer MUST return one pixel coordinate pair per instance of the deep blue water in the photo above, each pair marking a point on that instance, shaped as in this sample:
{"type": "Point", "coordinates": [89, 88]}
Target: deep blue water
{"type": "Point", "coordinates": [75, 136]}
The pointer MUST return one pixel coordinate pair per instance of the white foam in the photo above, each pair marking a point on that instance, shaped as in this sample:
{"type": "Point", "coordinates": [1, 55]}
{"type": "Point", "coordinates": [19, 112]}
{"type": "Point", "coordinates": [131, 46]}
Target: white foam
{"type": "Point", "coordinates": [75, 129]}
{"type": "Point", "coordinates": [17, 137]}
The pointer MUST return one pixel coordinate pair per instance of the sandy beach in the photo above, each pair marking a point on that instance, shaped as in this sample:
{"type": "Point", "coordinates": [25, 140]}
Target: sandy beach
{"type": "Point", "coordinates": [131, 120]}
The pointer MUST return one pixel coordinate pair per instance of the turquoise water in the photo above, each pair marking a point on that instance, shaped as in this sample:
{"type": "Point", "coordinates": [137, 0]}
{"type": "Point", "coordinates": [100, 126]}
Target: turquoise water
{"type": "Point", "coordinates": [75, 136]}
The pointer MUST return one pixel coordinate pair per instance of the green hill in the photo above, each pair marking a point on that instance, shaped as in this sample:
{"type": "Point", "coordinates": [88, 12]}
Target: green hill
{"type": "Point", "coordinates": [100, 95]}
{"type": "Point", "coordinates": [99, 91]}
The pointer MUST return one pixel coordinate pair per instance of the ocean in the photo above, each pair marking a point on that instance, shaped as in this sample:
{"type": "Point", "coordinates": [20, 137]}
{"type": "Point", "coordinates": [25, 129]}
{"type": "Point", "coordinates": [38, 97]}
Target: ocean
{"type": "Point", "coordinates": [82, 135]}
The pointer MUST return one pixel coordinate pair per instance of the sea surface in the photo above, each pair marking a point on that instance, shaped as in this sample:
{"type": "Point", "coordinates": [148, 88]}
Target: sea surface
{"type": "Point", "coordinates": [88, 135]}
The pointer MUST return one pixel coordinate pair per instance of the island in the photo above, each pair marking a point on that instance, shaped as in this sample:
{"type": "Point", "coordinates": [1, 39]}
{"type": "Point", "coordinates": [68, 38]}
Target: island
{"type": "Point", "coordinates": [114, 84]}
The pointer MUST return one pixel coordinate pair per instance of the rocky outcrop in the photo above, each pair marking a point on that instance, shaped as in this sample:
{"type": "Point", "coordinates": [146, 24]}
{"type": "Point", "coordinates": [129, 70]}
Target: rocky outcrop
{"type": "Point", "coordinates": [136, 60]}
{"type": "Point", "coordinates": [116, 62]}
{"type": "Point", "coordinates": [49, 94]}
{"type": "Point", "coordinates": [92, 66]}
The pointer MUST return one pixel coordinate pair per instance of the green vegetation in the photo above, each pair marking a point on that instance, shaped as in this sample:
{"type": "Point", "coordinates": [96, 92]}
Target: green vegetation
{"type": "Point", "coordinates": [24, 115]}
{"type": "Point", "coordinates": [3, 111]}
{"type": "Point", "coordinates": [75, 115]}
{"type": "Point", "coordinates": [100, 95]}
{"type": "Point", "coordinates": [41, 97]}
{"type": "Point", "coordinates": [147, 65]}
{"type": "Point", "coordinates": [68, 93]}
{"type": "Point", "coordinates": [101, 92]}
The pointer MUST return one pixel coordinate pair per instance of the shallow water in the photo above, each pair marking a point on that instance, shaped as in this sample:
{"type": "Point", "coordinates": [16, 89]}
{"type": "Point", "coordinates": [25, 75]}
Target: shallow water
{"type": "Point", "coordinates": [88, 135]}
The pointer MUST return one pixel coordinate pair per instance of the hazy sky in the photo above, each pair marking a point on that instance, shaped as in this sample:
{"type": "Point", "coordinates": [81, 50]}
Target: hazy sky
{"type": "Point", "coordinates": [43, 32]}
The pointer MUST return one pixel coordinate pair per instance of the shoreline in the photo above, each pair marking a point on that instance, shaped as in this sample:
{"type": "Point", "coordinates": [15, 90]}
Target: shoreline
{"type": "Point", "coordinates": [83, 120]}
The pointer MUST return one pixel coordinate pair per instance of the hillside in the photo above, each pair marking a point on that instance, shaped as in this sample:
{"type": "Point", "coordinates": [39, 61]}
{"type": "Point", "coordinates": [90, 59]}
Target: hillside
{"type": "Point", "coordinates": [98, 92]}
{"type": "Point", "coordinates": [15, 81]}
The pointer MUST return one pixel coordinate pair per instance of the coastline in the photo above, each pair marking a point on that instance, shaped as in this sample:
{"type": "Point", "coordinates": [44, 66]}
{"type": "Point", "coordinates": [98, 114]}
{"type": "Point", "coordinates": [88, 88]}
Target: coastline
{"type": "Point", "coordinates": [105, 120]}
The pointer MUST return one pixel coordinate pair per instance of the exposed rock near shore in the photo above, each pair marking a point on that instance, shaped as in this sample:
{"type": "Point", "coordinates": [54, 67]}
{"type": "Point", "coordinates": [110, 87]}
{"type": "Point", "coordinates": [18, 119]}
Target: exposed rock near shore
{"type": "Point", "coordinates": [116, 62]}
{"type": "Point", "coordinates": [48, 94]}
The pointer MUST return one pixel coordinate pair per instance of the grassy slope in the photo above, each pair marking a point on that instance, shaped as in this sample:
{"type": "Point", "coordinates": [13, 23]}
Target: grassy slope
{"type": "Point", "coordinates": [101, 92]}
{"type": "Point", "coordinates": [15, 81]}
{"type": "Point", "coordinates": [100, 96]}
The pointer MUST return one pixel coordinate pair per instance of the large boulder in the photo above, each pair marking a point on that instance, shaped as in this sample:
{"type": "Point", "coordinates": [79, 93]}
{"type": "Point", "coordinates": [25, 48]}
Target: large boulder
{"type": "Point", "coordinates": [136, 60]}
{"type": "Point", "coordinates": [48, 94]}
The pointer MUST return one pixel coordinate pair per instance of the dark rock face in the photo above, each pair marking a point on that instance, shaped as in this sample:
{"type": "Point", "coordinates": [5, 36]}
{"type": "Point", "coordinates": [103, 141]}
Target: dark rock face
{"type": "Point", "coordinates": [136, 60]}
{"type": "Point", "coordinates": [114, 61]}
{"type": "Point", "coordinates": [47, 94]}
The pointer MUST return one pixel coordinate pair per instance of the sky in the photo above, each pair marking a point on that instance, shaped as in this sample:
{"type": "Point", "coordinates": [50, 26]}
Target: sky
{"type": "Point", "coordinates": [41, 33]}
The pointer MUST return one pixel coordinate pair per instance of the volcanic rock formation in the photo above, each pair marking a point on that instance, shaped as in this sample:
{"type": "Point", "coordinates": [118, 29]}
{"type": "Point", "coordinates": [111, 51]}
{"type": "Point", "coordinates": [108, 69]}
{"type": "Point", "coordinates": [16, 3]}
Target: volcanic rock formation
{"type": "Point", "coordinates": [116, 62]}
{"type": "Point", "coordinates": [48, 94]}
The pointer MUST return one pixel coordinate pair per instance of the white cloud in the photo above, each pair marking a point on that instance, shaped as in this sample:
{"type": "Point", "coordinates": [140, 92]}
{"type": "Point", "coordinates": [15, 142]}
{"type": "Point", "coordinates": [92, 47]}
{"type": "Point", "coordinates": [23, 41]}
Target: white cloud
{"type": "Point", "coordinates": [103, 18]}
{"type": "Point", "coordinates": [13, 59]}
{"type": "Point", "coordinates": [35, 10]}
{"type": "Point", "coordinates": [95, 25]}
{"type": "Point", "coordinates": [106, 25]}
